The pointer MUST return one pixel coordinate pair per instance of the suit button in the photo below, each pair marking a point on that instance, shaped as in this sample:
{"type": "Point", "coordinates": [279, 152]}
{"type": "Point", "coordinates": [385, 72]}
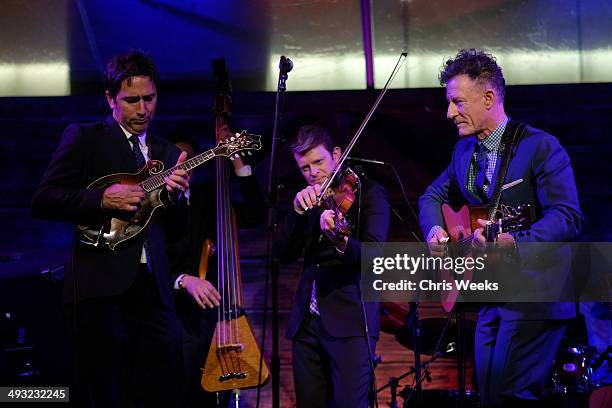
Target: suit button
{"type": "Point", "coordinates": [317, 265]}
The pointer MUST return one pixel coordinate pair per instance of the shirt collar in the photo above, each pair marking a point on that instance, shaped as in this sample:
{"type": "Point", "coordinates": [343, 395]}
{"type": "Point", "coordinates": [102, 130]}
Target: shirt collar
{"type": "Point", "coordinates": [492, 141]}
{"type": "Point", "coordinates": [142, 138]}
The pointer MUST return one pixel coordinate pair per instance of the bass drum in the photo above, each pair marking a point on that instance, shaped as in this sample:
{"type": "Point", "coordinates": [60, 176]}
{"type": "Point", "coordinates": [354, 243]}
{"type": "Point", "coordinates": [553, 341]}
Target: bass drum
{"type": "Point", "coordinates": [571, 372]}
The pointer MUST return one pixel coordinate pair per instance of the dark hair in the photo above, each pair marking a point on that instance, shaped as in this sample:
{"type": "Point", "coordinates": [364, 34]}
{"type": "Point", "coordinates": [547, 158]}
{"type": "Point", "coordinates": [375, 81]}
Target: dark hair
{"type": "Point", "coordinates": [311, 136]}
{"type": "Point", "coordinates": [478, 65]}
{"type": "Point", "coordinates": [127, 66]}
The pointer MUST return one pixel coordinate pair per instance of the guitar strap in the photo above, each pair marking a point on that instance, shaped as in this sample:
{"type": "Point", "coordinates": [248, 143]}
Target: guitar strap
{"type": "Point", "coordinates": [512, 137]}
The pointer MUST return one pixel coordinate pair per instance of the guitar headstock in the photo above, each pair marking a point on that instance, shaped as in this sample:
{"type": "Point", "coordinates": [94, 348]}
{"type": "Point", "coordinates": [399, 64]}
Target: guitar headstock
{"type": "Point", "coordinates": [237, 145]}
{"type": "Point", "coordinates": [515, 218]}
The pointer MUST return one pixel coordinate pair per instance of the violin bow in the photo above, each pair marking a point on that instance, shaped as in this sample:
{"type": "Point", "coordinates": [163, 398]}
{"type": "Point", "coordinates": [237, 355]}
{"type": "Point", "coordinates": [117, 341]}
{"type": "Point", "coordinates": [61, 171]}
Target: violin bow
{"type": "Point", "coordinates": [328, 181]}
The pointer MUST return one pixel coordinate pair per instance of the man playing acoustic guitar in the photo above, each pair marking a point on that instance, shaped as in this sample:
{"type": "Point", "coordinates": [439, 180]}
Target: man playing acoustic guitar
{"type": "Point", "coordinates": [515, 342]}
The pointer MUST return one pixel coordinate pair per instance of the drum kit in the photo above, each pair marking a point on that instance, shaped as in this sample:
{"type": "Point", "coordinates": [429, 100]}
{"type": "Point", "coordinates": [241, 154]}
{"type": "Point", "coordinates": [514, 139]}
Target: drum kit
{"type": "Point", "coordinates": [571, 381]}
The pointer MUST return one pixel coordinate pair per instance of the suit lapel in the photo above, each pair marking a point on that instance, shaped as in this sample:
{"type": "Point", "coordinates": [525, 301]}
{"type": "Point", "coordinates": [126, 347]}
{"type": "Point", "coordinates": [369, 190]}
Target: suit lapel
{"type": "Point", "coordinates": [155, 148]}
{"type": "Point", "coordinates": [500, 159]}
{"type": "Point", "coordinates": [463, 169]}
{"type": "Point", "coordinates": [121, 145]}
{"type": "Point", "coordinates": [494, 177]}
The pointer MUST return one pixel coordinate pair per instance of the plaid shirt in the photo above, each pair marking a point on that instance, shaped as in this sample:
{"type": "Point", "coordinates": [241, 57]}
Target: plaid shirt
{"type": "Point", "coordinates": [491, 146]}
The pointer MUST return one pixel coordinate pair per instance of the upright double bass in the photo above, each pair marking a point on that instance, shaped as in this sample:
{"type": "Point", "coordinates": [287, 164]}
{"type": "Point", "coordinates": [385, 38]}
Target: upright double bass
{"type": "Point", "coordinates": [233, 360]}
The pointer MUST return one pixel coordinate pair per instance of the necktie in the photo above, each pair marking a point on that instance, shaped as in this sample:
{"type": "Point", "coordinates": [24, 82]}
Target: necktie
{"type": "Point", "coordinates": [314, 308]}
{"type": "Point", "coordinates": [140, 160]}
{"type": "Point", "coordinates": [481, 171]}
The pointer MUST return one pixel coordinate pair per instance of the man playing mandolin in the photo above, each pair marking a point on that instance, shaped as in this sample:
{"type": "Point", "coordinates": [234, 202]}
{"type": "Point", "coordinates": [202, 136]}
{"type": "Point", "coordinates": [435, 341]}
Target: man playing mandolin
{"type": "Point", "coordinates": [332, 361]}
{"type": "Point", "coordinates": [515, 342]}
{"type": "Point", "coordinates": [126, 331]}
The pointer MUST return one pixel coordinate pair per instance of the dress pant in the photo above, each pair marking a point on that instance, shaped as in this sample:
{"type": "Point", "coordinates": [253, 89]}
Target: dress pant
{"type": "Point", "coordinates": [514, 358]}
{"type": "Point", "coordinates": [128, 349]}
{"type": "Point", "coordinates": [327, 371]}
{"type": "Point", "coordinates": [198, 328]}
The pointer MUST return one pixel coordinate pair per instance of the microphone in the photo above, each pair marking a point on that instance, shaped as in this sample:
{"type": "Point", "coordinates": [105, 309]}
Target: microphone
{"type": "Point", "coordinates": [361, 159]}
{"type": "Point", "coordinates": [285, 64]}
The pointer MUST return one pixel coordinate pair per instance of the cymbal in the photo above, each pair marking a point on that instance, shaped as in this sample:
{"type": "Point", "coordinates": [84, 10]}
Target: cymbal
{"type": "Point", "coordinates": [431, 330]}
{"type": "Point", "coordinates": [31, 262]}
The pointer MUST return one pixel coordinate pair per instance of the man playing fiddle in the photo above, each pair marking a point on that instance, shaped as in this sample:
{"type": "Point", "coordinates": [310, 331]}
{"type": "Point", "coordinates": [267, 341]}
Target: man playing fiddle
{"type": "Point", "coordinates": [332, 363]}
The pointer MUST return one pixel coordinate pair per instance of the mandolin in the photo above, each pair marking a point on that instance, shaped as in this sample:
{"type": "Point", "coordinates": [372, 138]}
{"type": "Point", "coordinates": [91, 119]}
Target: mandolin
{"type": "Point", "coordinates": [121, 227]}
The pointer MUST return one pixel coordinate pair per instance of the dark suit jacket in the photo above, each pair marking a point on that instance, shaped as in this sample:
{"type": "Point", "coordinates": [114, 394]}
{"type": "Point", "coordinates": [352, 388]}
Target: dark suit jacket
{"type": "Point", "coordinates": [337, 275]}
{"type": "Point", "coordinates": [85, 153]}
{"type": "Point", "coordinates": [548, 184]}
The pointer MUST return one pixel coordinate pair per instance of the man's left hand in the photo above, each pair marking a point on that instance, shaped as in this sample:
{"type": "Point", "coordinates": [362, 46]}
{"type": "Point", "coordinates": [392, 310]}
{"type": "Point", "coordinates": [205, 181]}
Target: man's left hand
{"type": "Point", "coordinates": [178, 181]}
{"type": "Point", "coordinates": [328, 224]}
{"type": "Point", "coordinates": [479, 241]}
{"type": "Point", "coordinates": [504, 240]}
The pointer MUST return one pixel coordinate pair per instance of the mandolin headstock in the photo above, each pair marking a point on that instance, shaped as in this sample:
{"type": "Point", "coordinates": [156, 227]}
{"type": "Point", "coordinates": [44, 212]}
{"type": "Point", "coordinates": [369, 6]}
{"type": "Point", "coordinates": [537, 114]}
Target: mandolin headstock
{"type": "Point", "coordinates": [237, 145]}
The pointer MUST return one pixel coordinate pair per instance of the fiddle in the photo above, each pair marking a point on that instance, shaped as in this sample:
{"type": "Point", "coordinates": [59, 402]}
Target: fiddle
{"type": "Point", "coordinates": [340, 199]}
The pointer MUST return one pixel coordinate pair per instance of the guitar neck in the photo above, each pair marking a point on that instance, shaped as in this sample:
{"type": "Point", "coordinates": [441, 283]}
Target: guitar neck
{"type": "Point", "coordinates": [158, 180]}
{"type": "Point", "coordinates": [490, 231]}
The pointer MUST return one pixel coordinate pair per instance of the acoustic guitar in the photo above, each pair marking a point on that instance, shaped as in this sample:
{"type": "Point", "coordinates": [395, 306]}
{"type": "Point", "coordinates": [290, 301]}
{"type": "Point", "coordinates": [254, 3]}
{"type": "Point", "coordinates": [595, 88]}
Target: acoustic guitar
{"type": "Point", "coordinates": [460, 226]}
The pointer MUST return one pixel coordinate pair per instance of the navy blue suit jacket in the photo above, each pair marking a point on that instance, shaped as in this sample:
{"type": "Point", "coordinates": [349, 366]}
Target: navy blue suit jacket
{"type": "Point", "coordinates": [548, 184]}
{"type": "Point", "coordinates": [337, 275]}
{"type": "Point", "coordinates": [86, 153]}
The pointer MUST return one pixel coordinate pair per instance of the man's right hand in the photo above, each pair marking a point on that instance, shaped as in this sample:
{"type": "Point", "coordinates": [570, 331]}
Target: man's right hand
{"type": "Point", "coordinates": [306, 198]}
{"type": "Point", "coordinates": [202, 291]}
{"type": "Point", "coordinates": [437, 243]}
{"type": "Point", "coordinates": [125, 197]}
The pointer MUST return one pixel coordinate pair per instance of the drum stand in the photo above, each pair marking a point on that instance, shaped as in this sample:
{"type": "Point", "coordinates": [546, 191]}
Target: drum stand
{"type": "Point", "coordinates": [420, 370]}
{"type": "Point", "coordinates": [414, 324]}
{"type": "Point", "coordinates": [393, 382]}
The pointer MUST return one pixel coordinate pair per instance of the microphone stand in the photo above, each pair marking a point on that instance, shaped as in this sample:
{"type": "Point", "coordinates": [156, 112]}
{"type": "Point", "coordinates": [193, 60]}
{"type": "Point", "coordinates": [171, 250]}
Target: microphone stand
{"type": "Point", "coordinates": [285, 67]}
{"type": "Point", "coordinates": [412, 321]}
{"type": "Point", "coordinates": [414, 325]}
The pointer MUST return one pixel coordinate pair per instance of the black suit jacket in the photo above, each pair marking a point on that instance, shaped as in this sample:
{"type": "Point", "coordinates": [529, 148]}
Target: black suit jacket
{"type": "Point", "coordinates": [86, 153]}
{"type": "Point", "coordinates": [337, 275]}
